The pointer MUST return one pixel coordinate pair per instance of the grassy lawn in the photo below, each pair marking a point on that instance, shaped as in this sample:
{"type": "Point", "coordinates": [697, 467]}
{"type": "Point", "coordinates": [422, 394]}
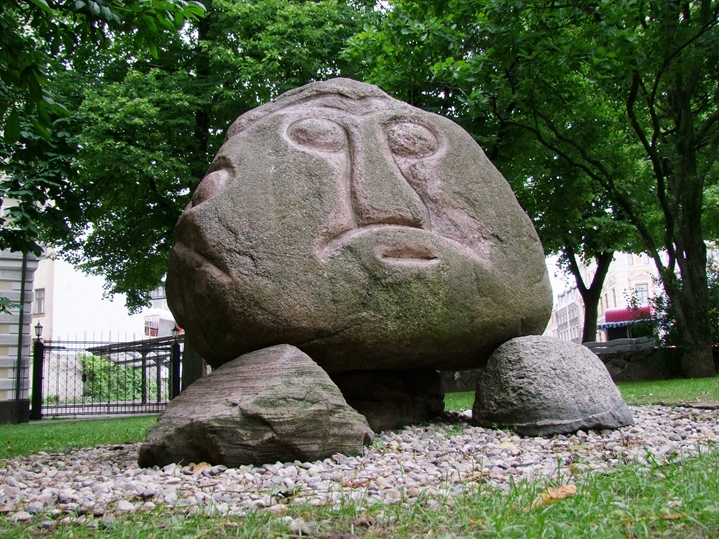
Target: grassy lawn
{"type": "Point", "coordinates": [53, 436]}
{"type": "Point", "coordinates": [698, 391]}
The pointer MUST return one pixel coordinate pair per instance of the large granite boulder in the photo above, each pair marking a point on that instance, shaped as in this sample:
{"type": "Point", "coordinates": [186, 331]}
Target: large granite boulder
{"type": "Point", "coordinates": [366, 232]}
{"type": "Point", "coordinates": [540, 385]}
{"type": "Point", "coordinates": [271, 405]}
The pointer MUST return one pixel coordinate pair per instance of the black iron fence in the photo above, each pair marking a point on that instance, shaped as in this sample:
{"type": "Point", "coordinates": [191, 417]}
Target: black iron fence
{"type": "Point", "coordinates": [93, 378]}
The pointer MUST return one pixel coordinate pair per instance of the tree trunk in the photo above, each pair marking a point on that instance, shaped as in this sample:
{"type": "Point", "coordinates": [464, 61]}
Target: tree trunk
{"type": "Point", "coordinates": [690, 300]}
{"type": "Point", "coordinates": [698, 361]}
{"type": "Point", "coordinates": [690, 296]}
{"type": "Point", "coordinates": [697, 357]}
{"type": "Point", "coordinates": [592, 294]}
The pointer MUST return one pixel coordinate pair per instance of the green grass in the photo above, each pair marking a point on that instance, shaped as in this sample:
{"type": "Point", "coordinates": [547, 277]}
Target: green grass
{"type": "Point", "coordinates": [459, 402]}
{"type": "Point", "coordinates": [676, 500]}
{"type": "Point", "coordinates": [696, 391]}
{"type": "Point", "coordinates": [53, 436]}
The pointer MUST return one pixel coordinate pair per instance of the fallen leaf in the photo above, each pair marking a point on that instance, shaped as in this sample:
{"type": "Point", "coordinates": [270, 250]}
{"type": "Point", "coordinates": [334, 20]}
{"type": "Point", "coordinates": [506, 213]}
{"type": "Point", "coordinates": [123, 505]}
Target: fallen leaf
{"type": "Point", "coordinates": [201, 467]}
{"type": "Point", "coordinates": [553, 494]}
{"type": "Point", "coordinates": [505, 444]}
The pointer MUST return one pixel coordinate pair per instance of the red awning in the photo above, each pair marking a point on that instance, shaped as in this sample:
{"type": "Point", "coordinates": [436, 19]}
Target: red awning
{"type": "Point", "coordinates": [623, 315]}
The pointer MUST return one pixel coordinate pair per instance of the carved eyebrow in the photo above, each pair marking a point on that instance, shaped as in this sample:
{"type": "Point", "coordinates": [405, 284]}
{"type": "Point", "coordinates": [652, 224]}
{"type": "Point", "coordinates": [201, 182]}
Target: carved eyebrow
{"type": "Point", "coordinates": [357, 107]}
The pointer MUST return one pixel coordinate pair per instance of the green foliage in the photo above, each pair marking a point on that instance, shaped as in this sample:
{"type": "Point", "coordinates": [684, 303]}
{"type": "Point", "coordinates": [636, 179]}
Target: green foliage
{"type": "Point", "coordinates": [106, 380]}
{"type": "Point", "coordinates": [40, 39]}
{"type": "Point", "coordinates": [6, 306]}
{"type": "Point", "coordinates": [146, 127]}
{"type": "Point", "coordinates": [621, 99]}
{"type": "Point", "coordinates": [33, 32]}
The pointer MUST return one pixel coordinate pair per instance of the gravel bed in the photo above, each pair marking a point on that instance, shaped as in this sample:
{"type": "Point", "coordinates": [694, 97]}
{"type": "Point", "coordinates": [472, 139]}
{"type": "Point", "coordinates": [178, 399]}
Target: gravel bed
{"type": "Point", "coordinates": [423, 463]}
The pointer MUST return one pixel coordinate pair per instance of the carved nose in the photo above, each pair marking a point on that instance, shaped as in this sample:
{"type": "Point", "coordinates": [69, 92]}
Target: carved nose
{"type": "Point", "coordinates": [380, 193]}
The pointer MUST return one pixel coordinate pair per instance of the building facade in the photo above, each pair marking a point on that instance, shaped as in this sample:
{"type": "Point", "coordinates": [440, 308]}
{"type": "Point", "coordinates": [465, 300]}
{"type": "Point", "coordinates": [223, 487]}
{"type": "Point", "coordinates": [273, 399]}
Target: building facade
{"type": "Point", "coordinates": [70, 306]}
{"type": "Point", "coordinates": [16, 284]}
{"type": "Point", "coordinates": [629, 276]}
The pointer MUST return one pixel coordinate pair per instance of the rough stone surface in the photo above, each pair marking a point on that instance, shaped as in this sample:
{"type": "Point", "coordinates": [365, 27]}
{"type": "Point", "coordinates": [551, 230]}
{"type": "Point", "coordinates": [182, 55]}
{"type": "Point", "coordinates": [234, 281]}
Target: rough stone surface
{"type": "Point", "coordinates": [646, 364]}
{"type": "Point", "coordinates": [391, 399]}
{"type": "Point", "coordinates": [458, 381]}
{"type": "Point", "coordinates": [366, 232]}
{"type": "Point", "coordinates": [273, 404]}
{"type": "Point", "coordinates": [541, 385]}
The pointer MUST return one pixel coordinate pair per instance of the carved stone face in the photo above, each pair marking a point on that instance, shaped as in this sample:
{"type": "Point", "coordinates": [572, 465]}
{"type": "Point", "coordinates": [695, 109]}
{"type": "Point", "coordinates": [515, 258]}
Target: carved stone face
{"type": "Point", "coordinates": [368, 233]}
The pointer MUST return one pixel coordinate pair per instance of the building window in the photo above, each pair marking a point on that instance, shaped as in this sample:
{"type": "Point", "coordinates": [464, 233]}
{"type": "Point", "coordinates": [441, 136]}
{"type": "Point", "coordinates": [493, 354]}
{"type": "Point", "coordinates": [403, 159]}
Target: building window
{"type": "Point", "coordinates": [641, 292]}
{"type": "Point", "coordinates": [152, 326]}
{"type": "Point", "coordinates": [38, 306]}
{"type": "Point", "coordinates": [630, 259]}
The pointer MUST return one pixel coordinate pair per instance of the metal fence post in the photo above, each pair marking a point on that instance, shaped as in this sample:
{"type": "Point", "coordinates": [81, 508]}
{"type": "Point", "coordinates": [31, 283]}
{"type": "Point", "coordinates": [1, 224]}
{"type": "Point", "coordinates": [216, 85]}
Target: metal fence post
{"type": "Point", "coordinates": [38, 358]}
{"type": "Point", "coordinates": [175, 370]}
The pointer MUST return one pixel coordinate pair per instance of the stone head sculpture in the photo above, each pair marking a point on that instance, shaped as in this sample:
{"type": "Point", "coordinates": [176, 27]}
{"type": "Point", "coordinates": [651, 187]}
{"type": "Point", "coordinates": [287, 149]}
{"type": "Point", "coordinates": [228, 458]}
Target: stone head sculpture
{"type": "Point", "coordinates": [366, 232]}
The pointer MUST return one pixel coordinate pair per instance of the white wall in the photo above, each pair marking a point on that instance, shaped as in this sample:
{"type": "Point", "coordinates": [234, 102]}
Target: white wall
{"type": "Point", "coordinates": [81, 313]}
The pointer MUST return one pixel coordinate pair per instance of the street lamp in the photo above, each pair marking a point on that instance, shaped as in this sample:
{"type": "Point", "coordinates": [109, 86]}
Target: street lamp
{"type": "Point", "coordinates": [175, 364]}
{"type": "Point", "coordinates": [38, 357]}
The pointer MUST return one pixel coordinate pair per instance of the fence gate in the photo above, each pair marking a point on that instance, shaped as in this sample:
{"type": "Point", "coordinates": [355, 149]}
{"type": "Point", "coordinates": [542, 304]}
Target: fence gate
{"type": "Point", "coordinates": [94, 378]}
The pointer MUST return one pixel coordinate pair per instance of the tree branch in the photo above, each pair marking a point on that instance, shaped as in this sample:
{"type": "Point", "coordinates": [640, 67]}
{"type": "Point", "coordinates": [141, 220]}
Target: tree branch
{"type": "Point", "coordinates": [711, 21]}
{"type": "Point", "coordinates": [706, 125]}
{"type": "Point", "coordinates": [606, 183]}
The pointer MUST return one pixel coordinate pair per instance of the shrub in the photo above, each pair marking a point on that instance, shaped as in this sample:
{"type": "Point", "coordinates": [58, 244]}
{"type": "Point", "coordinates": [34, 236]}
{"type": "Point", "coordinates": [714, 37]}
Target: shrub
{"type": "Point", "coordinates": [106, 380]}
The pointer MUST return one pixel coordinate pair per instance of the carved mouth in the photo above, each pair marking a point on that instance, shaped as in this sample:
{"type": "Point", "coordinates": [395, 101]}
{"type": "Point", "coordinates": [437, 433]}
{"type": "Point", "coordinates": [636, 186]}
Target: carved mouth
{"type": "Point", "coordinates": [197, 258]}
{"type": "Point", "coordinates": [399, 245]}
{"type": "Point", "coordinates": [407, 255]}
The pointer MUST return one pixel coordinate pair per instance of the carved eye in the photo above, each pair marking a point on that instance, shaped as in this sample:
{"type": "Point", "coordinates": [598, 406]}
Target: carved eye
{"type": "Point", "coordinates": [210, 185]}
{"type": "Point", "coordinates": [319, 134]}
{"type": "Point", "coordinates": [411, 140]}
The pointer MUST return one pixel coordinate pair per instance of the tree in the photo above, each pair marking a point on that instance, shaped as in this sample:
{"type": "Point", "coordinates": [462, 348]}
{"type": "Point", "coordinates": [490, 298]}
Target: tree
{"type": "Point", "coordinates": [38, 37]}
{"type": "Point", "coordinates": [578, 224]}
{"type": "Point", "coordinates": [109, 381]}
{"type": "Point", "coordinates": [35, 31]}
{"type": "Point", "coordinates": [623, 92]}
{"type": "Point", "coordinates": [146, 127]}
